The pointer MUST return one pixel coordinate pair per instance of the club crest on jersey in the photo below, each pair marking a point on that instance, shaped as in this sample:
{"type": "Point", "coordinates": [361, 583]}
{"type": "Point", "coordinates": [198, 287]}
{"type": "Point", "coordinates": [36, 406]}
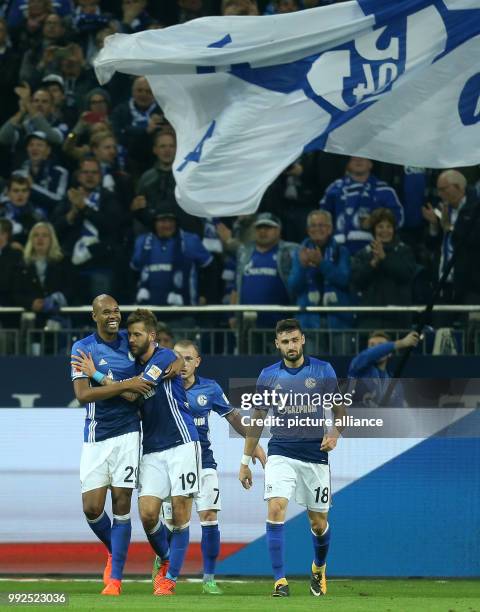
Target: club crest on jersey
{"type": "Point", "coordinates": [310, 383]}
{"type": "Point", "coordinates": [202, 400]}
{"type": "Point", "coordinates": [154, 372]}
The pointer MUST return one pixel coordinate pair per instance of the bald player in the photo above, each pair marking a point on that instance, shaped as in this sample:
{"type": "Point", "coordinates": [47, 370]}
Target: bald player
{"type": "Point", "coordinates": [111, 446]}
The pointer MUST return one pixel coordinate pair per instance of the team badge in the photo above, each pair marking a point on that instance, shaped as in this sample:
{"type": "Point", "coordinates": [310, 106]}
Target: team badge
{"type": "Point", "coordinates": [154, 372]}
{"type": "Point", "coordinates": [310, 383]}
{"type": "Point", "coordinates": [202, 400]}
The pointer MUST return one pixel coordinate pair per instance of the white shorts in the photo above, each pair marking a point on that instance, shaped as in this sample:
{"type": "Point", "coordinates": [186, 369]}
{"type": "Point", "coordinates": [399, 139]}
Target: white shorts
{"type": "Point", "coordinates": [308, 483]}
{"type": "Point", "coordinates": [207, 498]}
{"type": "Point", "coordinates": [171, 472]}
{"type": "Point", "coordinates": [111, 462]}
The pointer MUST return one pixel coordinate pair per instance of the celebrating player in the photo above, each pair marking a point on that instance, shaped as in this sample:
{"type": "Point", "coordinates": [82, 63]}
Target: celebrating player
{"type": "Point", "coordinates": [205, 395]}
{"type": "Point", "coordinates": [368, 373]}
{"type": "Point", "coordinates": [171, 461]}
{"type": "Point", "coordinates": [111, 434]}
{"type": "Point", "coordinates": [297, 462]}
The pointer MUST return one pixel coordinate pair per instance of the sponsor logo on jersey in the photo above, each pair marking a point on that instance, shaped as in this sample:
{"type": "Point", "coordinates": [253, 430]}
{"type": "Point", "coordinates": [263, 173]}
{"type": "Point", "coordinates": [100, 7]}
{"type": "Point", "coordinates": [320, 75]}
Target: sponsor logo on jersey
{"type": "Point", "coordinates": [310, 383]}
{"type": "Point", "coordinates": [154, 372]}
{"type": "Point", "coordinates": [202, 400]}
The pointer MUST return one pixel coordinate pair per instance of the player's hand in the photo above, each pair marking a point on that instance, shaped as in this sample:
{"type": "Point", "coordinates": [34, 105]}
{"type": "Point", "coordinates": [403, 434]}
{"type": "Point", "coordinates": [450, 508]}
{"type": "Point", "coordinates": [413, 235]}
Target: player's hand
{"type": "Point", "coordinates": [84, 363]}
{"type": "Point", "coordinates": [328, 443]}
{"type": "Point", "coordinates": [174, 368]}
{"type": "Point", "coordinates": [259, 454]}
{"type": "Point", "coordinates": [411, 339]}
{"type": "Point", "coordinates": [138, 385]}
{"type": "Point", "coordinates": [245, 476]}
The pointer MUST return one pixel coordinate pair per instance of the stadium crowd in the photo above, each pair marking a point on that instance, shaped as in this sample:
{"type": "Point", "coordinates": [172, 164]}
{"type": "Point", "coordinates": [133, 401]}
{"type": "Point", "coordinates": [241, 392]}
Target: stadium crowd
{"type": "Point", "coordinates": [88, 206]}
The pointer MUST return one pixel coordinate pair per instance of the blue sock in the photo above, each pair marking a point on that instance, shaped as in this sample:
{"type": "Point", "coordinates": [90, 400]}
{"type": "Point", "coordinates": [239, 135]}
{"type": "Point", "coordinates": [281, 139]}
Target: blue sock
{"type": "Point", "coordinates": [159, 541]}
{"type": "Point", "coordinates": [102, 528]}
{"type": "Point", "coordinates": [210, 547]}
{"type": "Point", "coordinates": [121, 534]}
{"type": "Point", "coordinates": [275, 542]}
{"type": "Point", "coordinates": [178, 550]}
{"type": "Point", "coordinates": [320, 546]}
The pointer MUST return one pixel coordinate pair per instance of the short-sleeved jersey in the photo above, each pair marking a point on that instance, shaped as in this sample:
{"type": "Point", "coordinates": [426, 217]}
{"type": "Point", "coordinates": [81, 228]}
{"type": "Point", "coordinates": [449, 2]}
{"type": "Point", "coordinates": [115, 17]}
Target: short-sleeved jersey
{"type": "Point", "coordinates": [315, 378]}
{"type": "Point", "coordinates": [204, 396]}
{"type": "Point", "coordinates": [166, 416]}
{"type": "Point", "coordinates": [116, 416]}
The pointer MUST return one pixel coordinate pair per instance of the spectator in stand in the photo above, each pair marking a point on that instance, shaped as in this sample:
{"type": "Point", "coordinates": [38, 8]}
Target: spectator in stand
{"type": "Point", "coordinates": [457, 226]}
{"type": "Point", "coordinates": [64, 113]}
{"type": "Point", "coordinates": [320, 274]}
{"type": "Point", "coordinates": [89, 224]}
{"type": "Point", "coordinates": [156, 187]}
{"type": "Point", "coordinates": [190, 9]}
{"type": "Point", "coordinates": [19, 9]}
{"type": "Point", "coordinates": [39, 59]}
{"type": "Point", "coordinates": [18, 208]}
{"type": "Point", "coordinates": [35, 114]}
{"type": "Point", "coordinates": [44, 282]}
{"type": "Point", "coordinates": [9, 65]}
{"type": "Point", "coordinates": [89, 19]}
{"type": "Point", "coordinates": [135, 16]}
{"type": "Point", "coordinates": [351, 201]}
{"type": "Point", "coordinates": [169, 262]}
{"type": "Point", "coordinates": [134, 123]}
{"type": "Point", "coordinates": [105, 149]}
{"type": "Point", "coordinates": [291, 197]}
{"type": "Point", "coordinates": [10, 262]}
{"type": "Point", "coordinates": [79, 78]}
{"type": "Point", "coordinates": [383, 273]}
{"type": "Point", "coordinates": [241, 232]}
{"type": "Point", "coordinates": [165, 335]}
{"type": "Point", "coordinates": [239, 7]}
{"type": "Point", "coordinates": [263, 268]}
{"type": "Point", "coordinates": [278, 7]}
{"type": "Point", "coordinates": [27, 24]}
{"type": "Point", "coordinates": [96, 118]}
{"type": "Point", "coordinates": [49, 180]}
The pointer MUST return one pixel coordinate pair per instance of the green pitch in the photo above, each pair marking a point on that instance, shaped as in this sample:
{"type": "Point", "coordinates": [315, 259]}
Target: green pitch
{"type": "Point", "coordinates": [254, 595]}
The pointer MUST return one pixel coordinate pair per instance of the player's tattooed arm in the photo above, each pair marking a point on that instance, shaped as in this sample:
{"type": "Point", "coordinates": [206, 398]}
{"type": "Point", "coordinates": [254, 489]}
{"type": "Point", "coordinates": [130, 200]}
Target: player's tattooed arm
{"type": "Point", "coordinates": [254, 431]}
{"type": "Point", "coordinates": [85, 364]}
{"type": "Point", "coordinates": [174, 368]}
{"type": "Point", "coordinates": [235, 420]}
{"type": "Point", "coordinates": [329, 441]}
{"type": "Point", "coordinates": [85, 393]}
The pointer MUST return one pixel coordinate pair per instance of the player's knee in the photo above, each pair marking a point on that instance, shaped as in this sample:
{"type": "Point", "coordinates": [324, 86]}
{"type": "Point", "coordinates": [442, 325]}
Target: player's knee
{"type": "Point", "coordinates": [276, 510]}
{"type": "Point", "coordinates": [181, 513]}
{"type": "Point", "coordinates": [318, 524]}
{"type": "Point", "coordinates": [121, 504]}
{"type": "Point", "coordinates": [149, 518]}
{"type": "Point", "coordinates": [92, 510]}
{"type": "Point", "coordinates": [208, 516]}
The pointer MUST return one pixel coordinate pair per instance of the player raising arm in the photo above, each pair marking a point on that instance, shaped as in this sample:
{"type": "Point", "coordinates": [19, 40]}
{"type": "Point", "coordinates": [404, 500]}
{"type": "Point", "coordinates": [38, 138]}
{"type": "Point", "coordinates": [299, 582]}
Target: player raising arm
{"type": "Point", "coordinates": [297, 464]}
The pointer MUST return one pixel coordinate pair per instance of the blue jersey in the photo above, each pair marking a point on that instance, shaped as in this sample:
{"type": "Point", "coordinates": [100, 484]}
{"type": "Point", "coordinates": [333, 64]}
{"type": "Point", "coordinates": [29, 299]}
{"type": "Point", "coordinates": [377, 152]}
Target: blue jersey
{"type": "Point", "coordinates": [368, 381]}
{"type": "Point", "coordinates": [203, 396]}
{"type": "Point", "coordinates": [262, 284]}
{"type": "Point", "coordinates": [315, 378]}
{"type": "Point", "coordinates": [166, 417]}
{"type": "Point", "coordinates": [349, 202]}
{"type": "Point", "coordinates": [116, 416]}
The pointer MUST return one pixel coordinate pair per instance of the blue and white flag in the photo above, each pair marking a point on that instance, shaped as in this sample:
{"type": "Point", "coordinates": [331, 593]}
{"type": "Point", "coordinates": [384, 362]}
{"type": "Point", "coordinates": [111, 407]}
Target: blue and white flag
{"type": "Point", "coordinates": [392, 80]}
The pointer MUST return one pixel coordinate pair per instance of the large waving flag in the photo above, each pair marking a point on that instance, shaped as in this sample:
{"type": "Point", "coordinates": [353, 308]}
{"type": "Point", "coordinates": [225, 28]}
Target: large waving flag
{"type": "Point", "coordinates": [395, 80]}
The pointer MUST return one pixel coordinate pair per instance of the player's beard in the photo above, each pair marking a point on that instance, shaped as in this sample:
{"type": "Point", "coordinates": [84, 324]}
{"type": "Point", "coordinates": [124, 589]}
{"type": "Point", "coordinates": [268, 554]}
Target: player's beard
{"type": "Point", "coordinates": [141, 349]}
{"type": "Point", "coordinates": [293, 356]}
